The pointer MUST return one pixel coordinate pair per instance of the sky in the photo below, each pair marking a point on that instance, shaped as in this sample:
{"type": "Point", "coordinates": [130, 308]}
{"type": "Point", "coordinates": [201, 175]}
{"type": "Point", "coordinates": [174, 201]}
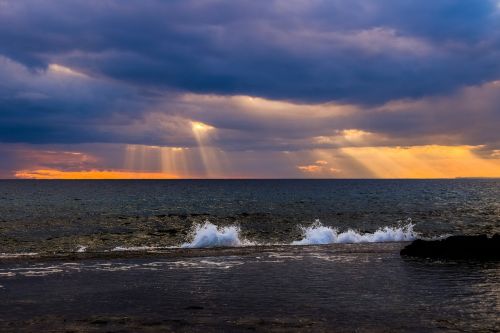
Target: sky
{"type": "Point", "coordinates": [152, 89]}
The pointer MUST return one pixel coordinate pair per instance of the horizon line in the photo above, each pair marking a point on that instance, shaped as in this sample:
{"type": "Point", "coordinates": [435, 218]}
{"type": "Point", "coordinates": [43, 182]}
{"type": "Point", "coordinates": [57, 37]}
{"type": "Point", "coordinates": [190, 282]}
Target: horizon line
{"type": "Point", "coordinates": [273, 178]}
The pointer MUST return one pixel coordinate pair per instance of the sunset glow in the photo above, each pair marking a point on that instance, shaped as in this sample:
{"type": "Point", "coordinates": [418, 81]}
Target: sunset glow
{"type": "Point", "coordinates": [424, 162]}
{"type": "Point", "coordinates": [90, 174]}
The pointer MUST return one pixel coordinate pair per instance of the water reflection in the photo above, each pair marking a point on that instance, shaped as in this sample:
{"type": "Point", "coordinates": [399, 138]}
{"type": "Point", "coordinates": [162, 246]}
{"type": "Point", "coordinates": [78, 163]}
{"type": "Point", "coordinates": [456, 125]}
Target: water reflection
{"type": "Point", "coordinates": [368, 287]}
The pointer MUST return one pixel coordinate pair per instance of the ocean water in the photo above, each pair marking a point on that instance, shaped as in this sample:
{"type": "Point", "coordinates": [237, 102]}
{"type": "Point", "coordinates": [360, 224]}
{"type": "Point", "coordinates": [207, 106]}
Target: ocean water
{"type": "Point", "coordinates": [258, 255]}
{"type": "Point", "coordinates": [65, 216]}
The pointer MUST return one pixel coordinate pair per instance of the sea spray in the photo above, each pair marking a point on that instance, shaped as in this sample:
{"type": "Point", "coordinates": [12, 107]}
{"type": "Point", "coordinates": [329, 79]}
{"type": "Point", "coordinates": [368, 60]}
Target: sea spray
{"type": "Point", "coordinates": [209, 235]}
{"type": "Point", "coordinates": [320, 234]}
{"type": "Point", "coordinates": [81, 249]}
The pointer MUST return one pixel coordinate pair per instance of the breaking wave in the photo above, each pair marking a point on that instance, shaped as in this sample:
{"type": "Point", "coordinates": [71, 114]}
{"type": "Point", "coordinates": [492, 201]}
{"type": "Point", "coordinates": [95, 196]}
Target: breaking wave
{"type": "Point", "coordinates": [320, 234]}
{"type": "Point", "coordinates": [81, 249]}
{"type": "Point", "coordinates": [209, 235]}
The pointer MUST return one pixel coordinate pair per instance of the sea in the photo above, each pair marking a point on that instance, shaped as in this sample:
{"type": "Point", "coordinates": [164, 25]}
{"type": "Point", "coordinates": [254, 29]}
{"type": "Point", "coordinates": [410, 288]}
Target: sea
{"type": "Point", "coordinates": [243, 255]}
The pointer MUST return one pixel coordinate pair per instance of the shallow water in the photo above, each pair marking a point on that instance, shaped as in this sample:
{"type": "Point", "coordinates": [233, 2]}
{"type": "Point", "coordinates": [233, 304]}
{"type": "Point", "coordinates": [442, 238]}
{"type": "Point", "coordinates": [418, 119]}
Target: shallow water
{"type": "Point", "coordinates": [340, 287]}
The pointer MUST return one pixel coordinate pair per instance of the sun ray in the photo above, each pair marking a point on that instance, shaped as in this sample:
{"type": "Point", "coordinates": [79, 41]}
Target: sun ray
{"type": "Point", "coordinates": [213, 158]}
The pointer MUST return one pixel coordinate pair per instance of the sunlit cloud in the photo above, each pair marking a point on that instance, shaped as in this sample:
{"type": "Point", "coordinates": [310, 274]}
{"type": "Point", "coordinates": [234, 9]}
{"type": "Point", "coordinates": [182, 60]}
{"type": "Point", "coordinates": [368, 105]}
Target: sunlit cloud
{"type": "Point", "coordinates": [59, 69]}
{"type": "Point", "coordinates": [353, 135]}
{"type": "Point", "coordinates": [268, 107]}
{"type": "Point", "coordinates": [309, 168]}
{"type": "Point", "coordinates": [199, 127]}
{"type": "Point", "coordinates": [320, 168]}
{"type": "Point", "coordinates": [349, 138]}
{"type": "Point", "coordinates": [495, 153]}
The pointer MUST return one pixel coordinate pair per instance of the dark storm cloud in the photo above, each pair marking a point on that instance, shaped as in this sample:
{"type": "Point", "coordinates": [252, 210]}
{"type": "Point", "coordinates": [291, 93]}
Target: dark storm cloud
{"type": "Point", "coordinates": [396, 68]}
{"type": "Point", "coordinates": [55, 106]}
{"type": "Point", "coordinates": [360, 51]}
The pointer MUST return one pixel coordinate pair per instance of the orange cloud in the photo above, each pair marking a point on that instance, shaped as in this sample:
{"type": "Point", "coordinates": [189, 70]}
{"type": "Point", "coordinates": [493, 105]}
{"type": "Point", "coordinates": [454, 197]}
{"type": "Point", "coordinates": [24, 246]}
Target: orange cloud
{"type": "Point", "coordinates": [90, 174]}
{"type": "Point", "coordinates": [319, 167]}
{"type": "Point", "coordinates": [431, 161]}
{"type": "Point", "coordinates": [310, 168]}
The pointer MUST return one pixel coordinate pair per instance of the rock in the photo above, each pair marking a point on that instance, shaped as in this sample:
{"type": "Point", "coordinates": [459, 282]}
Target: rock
{"type": "Point", "coordinates": [479, 247]}
{"type": "Point", "coordinates": [194, 307]}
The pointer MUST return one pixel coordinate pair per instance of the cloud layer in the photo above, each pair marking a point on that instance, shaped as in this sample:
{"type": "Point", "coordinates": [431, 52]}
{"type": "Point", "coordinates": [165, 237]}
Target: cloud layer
{"type": "Point", "coordinates": [315, 51]}
{"type": "Point", "coordinates": [266, 77]}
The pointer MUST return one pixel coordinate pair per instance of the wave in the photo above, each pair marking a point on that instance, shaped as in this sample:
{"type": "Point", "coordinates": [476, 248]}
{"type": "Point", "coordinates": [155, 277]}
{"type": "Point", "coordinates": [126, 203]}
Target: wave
{"type": "Point", "coordinates": [209, 235]}
{"type": "Point", "coordinates": [320, 234]}
{"type": "Point", "coordinates": [81, 249]}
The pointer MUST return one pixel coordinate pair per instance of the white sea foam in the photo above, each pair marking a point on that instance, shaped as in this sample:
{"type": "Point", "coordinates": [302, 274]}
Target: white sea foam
{"type": "Point", "coordinates": [320, 234]}
{"type": "Point", "coordinates": [209, 235]}
{"type": "Point", "coordinates": [136, 248]}
{"type": "Point", "coordinates": [81, 249]}
{"type": "Point", "coordinates": [18, 255]}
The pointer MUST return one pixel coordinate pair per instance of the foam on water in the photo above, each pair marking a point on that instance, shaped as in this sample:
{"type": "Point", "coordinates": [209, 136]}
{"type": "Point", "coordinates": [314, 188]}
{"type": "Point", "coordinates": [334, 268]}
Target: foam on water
{"type": "Point", "coordinates": [209, 235]}
{"type": "Point", "coordinates": [136, 248]}
{"type": "Point", "coordinates": [81, 249]}
{"type": "Point", "coordinates": [320, 234]}
{"type": "Point", "coordinates": [17, 255]}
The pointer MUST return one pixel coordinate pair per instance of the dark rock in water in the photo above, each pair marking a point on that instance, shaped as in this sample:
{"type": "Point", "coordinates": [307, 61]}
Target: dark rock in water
{"type": "Point", "coordinates": [194, 307]}
{"type": "Point", "coordinates": [479, 247]}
